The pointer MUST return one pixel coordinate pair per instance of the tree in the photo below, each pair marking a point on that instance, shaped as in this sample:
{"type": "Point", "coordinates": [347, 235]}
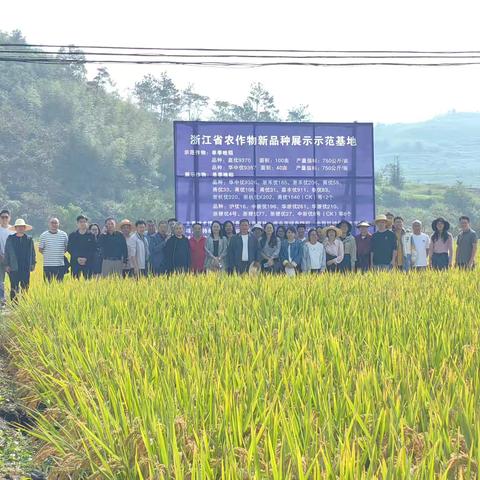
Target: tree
{"type": "Point", "coordinates": [75, 62]}
{"type": "Point", "coordinates": [193, 103]}
{"type": "Point", "coordinates": [394, 174]}
{"type": "Point", "coordinates": [259, 106]}
{"type": "Point", "coordinates": [223, 111]}
{"type": "Point", "coordinates": [159, 95]}
{"type": "Point", "coordinates": [102, 79]}
{"type": "Point", "coordinates": [299, 114]}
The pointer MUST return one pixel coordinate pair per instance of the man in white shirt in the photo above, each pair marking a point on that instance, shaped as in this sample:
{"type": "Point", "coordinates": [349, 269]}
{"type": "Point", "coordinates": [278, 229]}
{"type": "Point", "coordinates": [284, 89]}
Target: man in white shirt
{"type": "Point", "coordinates": [142, 247]}
{"type": "Point", "coordinates": [53, 245]}
{"type": "Point", "coordinates": [421, 242]}
{"type": "Point", "coordinates": [4, 233]}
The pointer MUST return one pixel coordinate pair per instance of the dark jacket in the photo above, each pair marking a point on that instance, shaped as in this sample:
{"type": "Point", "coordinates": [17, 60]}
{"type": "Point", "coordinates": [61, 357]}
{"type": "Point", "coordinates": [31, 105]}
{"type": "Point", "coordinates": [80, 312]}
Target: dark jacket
{"type": "Point", "coordinates": [11, 260]}
{"type": "Point", "coordinates": [81, 246]}
{"type": "Point", "coordinates": [235, 248]}
{"type": "Point", "coordinates": [177, 254]}
{"type": "Point", "coordinates": [296, 252]}
{"type": "Point", "coordinates": [113, 245]}
{"type": "Point", "coordinates": [157, 245]}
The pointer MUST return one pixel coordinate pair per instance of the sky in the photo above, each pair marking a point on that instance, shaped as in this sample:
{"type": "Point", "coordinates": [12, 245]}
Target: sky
{"type": "Point", "coordinates": [336, 94]}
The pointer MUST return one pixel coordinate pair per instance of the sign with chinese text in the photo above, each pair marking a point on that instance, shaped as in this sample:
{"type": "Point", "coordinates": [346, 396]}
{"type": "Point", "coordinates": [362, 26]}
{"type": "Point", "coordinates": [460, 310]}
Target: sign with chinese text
{"type": "Point", "coordinates": [286, 173]}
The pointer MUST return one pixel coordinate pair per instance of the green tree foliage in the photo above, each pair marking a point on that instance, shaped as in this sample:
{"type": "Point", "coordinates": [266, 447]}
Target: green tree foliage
{"type": "Point", "coordinates": [69, 146]}
{"type": "Point", "coordinates": [299, 113]}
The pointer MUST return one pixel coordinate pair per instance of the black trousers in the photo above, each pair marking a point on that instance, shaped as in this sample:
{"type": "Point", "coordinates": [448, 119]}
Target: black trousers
{"type": "Point", "coordinates": [242, 267]}
{"type": "Point", "coordinates": [78, 270]}
{"type": "Point", "coordinates": [18, 281]}
{"type": "Point", "coordinates": [53, 273]}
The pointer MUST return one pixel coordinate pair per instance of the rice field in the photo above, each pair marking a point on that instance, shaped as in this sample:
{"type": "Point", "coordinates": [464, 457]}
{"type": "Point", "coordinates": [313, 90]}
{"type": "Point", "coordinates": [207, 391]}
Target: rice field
{"type": "Point", "coordinates": [216, 377]}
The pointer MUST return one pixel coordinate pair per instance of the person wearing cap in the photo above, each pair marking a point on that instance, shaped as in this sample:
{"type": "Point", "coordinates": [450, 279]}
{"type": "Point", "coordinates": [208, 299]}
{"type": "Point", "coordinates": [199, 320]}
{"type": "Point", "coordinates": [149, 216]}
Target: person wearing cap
{"type": "Point", "coordinates": [270, 249]}
{"type": "Point", "coordinates": [384, 245]}
{"type": "Point", "coordinates": [177, 251]}
{"type": "Point", "coordinates": [19, 258]}
{"type": "Point", "coordinates": [441, 245]}
{"type": "Point", "coordinates": [53, 246]}
{"type": "Point", "coordinates": [420, 246]}
{"type": "Point", "coordinates": [257, 231]}
{"type": "Point", "coordinates": [314, 256]}
{"type": "Point", "coordinates": [466, 245]}
{"type": "Point", "coordinates": [363, 242]}
{"type": "Point", "coordinates": [113, 248]}
{"type": "Point", "coordinates": [333, 247]}
{"type": "Point", "coordinates": [82, 247]}
{"type": "Point", "coordinates": [243, 249]}
{"type": "Point", "coordinates": [5, 232]}
{"type": "Point", "coordinates": [197, 248]}
{"type": "Point", "coordinates": [291, 253]}
{"type": "Point", "coordinates": [349, 247]}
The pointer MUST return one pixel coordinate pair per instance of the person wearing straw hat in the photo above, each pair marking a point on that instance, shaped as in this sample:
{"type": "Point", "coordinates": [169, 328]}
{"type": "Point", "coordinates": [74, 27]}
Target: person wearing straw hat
{"type": "Point", "coordinates": [384, 245]}
{"type": "Point", "coordinates": [5, 232]}
{"type": "Point", "coordinates": [364, 246]}
{"type": "Point", "coordinates": [333, 247]}
{"type": "Point", "coordinates": [441, 245]}
{"type": "Point", "coordinates": [19, 259]}
{"type": "Point", "coordinates": [349, 247]}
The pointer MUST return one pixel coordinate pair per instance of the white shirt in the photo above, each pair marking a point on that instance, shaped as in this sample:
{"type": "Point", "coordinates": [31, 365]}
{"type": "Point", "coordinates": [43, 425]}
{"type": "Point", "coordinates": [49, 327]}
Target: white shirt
{"type": "Point", "coordinates": [4, 233]}
{"type": "Point", "coordinates": [315, 252]}
{"type": "Point", "coordinates": [141, 252]}
{"type": "Point", "coordinates": [54, 246]}
{"type": "Point", "coordinates": [132, 248]}
{"type": "Point", "coordinates": [421, 242]}
{"type": "Point", "coordinates": [245, 248]}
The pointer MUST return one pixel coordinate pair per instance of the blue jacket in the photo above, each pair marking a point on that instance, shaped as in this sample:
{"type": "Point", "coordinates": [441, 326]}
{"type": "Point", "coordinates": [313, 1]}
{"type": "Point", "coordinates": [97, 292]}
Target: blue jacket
{"type": "Point", "coordinates": [157, 244]}
{"type": "Point", "coordinates": [296, 252]}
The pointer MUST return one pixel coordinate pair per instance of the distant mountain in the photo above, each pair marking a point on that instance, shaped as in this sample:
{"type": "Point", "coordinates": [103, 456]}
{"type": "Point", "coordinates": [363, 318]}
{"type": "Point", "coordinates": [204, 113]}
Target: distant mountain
{"type": "Point", "coordinates": [443, 150]}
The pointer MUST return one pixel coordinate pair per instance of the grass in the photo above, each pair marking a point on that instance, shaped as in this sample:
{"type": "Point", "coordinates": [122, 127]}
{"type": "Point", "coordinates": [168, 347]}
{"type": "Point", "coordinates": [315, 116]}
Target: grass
{"type": "Point", "coordinates": [359, 376]}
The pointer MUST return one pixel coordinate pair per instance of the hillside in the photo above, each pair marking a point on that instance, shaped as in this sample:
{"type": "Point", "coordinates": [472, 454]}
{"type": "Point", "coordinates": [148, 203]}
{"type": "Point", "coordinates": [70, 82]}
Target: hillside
{"type": "Point", "coordinates": [443, 150]}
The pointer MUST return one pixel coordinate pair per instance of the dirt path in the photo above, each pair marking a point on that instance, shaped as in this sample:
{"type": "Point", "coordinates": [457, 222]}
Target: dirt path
{"type": "Point", "coordinates": [16, 448]}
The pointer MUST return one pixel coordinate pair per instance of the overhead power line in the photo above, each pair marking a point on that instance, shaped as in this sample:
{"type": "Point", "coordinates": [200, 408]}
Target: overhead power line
{"type": "Point", "coordinates": [196, 49]}
{"type": "Point", "coordinates": [86, 54]}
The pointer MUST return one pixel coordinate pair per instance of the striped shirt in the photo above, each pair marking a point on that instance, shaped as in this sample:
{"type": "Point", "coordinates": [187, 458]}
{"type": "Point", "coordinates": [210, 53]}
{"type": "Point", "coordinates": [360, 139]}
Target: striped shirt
{"type": "Point", "coordinates": [54, 246]}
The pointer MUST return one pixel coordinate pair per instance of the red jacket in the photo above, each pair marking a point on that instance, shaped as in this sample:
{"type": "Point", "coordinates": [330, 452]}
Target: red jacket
{"type": "Point", "coordinates": [197, 249]}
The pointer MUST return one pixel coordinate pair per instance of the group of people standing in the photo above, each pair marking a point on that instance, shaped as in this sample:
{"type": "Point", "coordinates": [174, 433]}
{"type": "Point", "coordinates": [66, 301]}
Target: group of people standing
{"type": "Point", "coordinates": [143, 248]}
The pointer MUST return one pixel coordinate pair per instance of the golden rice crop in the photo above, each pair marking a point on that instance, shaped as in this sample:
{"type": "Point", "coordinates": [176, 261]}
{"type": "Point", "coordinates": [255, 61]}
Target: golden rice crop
{"type": "Point", "coordinates": [355, 376]}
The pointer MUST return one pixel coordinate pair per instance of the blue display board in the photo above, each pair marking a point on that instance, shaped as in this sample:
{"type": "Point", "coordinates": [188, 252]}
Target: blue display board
{"type": "Point", "coordinates": [286, 173]}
